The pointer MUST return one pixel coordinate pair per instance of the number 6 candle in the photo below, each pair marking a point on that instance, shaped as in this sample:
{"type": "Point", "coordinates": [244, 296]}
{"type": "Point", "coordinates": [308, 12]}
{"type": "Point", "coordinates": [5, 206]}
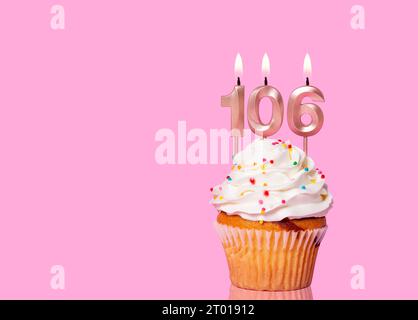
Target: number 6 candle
{"type": "Point", "coordinates": [235, 100]}
{"type": "Point", "coordinates": [296, 109]}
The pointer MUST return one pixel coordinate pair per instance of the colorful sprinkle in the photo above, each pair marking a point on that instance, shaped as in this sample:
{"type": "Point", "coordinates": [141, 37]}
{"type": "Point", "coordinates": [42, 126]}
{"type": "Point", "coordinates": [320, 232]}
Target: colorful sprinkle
{"type": "Point", "coordinates": [274, 143]}
{"type": "Point", "coordinates": [261, 221]}
{"type": "Point", "coordinates": [313, 181]}
{"type": "Point", "coordinates": [266, 193]}
{"type": "Point", "coordinates": [255, 163]}
{"type": "Point", "coordinates": [303, 187]}
{"type": "Point", "coordinates": [271, 161]}
{"type": "Point", "coordinates": [289, 146]}
{"type": "Point", "coordinates": [260, 201]}
{"type": "Point", "coordinates": [263, 172]}
{"type": "Point", "coordinates": [221, 198]}
{"type": "Point", "coordinates": [220, 188]}
{"type": "Point", "coordinates": [295, 163]}
{"type": "Point", "coordinates": [211, 189]}
{"type": "Point", "coordinates": [263, 210]}
{"type": "Point", "coordinates": [239, 167]}
{"type": "Point", "coordinates": [265, 184]}
{"type": "Point", "coordinates": [229, 178]}
{"type": "Point", "coordinates": [323, 176]}
{"type": "Point", "coordinates": [306, 169]}
{"type": "Point", "coordinates": [263, 166]}
{"type": "Point", "coordinates": [214, 197]}
{"type": "Point", "coordinates": [252, 180]}
{"type": "Point", "coordinates": [283, 201]}
{"type": "Point", "coordinates": [264, 159]}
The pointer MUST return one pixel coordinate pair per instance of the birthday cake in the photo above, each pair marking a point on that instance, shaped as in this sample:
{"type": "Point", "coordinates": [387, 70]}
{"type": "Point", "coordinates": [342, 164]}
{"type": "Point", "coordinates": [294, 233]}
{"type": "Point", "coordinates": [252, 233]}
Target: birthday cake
{"type": "Point", "coordinates": [271, 220]}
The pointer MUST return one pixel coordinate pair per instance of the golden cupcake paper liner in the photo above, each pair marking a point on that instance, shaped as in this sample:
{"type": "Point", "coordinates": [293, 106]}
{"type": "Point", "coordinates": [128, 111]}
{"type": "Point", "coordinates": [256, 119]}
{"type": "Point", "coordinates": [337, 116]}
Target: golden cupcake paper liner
{"type": "Point", "coordinates": [270, 260]}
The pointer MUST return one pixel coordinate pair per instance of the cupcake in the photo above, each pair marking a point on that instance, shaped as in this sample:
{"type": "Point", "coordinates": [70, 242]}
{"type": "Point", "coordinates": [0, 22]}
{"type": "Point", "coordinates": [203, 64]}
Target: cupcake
{"type": "Point", "coordinates": [271, 216]}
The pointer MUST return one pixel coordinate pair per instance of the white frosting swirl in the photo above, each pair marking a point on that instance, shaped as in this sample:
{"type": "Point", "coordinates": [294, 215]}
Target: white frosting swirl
{"type": "Point", "coordinates": [272, 180]}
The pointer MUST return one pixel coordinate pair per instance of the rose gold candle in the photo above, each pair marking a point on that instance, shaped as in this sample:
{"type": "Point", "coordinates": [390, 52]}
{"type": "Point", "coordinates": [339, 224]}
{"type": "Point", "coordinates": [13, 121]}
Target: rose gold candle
{"type": "Point", "coordinates": [235, 101]}
{"type": "Point", "coordinates": [254, 121]}
{"type": "Point", "coordinates": [296, 109]}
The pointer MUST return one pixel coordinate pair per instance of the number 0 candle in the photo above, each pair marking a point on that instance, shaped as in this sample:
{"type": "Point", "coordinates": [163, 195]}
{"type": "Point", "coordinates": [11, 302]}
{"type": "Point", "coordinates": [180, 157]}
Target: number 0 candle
{"type": "Point", "coordinates": [235, 101]}
{"type": "Point", "coordinates": [265, 91]}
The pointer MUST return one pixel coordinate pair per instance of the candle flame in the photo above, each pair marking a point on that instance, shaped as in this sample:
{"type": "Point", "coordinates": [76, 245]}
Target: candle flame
{"type": "Point", "coordinates": [265, 65]}
{"type": "Point", "coordinates": [238, 66]}
{"type": "Point", "coordinates": [307, 66]}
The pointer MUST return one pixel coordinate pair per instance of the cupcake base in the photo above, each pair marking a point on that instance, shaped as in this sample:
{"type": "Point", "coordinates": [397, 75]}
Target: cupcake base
{"type": "Point", "coordinates": [273, 256]}
{"type": "Point", "coordinates": [236, 293]}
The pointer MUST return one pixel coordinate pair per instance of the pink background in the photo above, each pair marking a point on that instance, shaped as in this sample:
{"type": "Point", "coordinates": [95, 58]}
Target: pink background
{"type": "Point", "coordinates": [79, 109]}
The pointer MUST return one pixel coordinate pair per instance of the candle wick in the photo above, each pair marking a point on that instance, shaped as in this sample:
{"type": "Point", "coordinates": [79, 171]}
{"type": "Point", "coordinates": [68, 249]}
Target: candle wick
{"type": "Point", "coordinates": [307, 81]}
{"type": "Point", "coordinates": [238, 81]}
{"type": "Point", "coordinates": [265, 81]}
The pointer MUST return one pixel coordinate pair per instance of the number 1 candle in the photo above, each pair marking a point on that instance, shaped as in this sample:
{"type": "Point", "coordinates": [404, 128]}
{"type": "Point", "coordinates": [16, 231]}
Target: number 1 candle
{"type": "Point", "coordinates": [297, 109]}
{"type": "Point", "coordinates": [235, 100]}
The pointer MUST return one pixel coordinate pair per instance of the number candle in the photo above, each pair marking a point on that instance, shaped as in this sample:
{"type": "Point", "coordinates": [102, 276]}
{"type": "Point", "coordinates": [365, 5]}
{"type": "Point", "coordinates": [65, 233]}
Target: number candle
{"type": "Point", "coordinates": [296, 109]}
{"type": "Point", "coordinates": [235, 100]}
{"type": "Point", "coordinates": [254, 121]}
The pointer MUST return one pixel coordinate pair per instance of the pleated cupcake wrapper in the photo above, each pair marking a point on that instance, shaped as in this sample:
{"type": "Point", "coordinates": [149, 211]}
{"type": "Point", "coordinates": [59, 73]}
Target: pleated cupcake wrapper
{"type": "Point", "coordinates": [270, 260]}
{"type": "Point", "coordinates": [236, 293]}
{"type": "Point", "coordinates": [234, 236]}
